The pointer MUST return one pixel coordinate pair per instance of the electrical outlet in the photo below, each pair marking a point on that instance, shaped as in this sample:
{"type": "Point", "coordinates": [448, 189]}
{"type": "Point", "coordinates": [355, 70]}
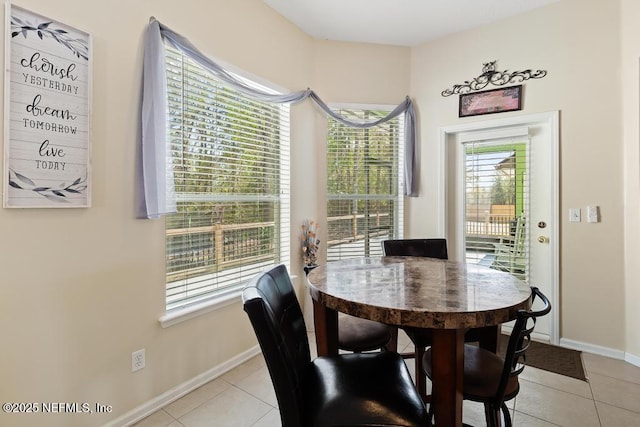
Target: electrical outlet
{"type": "Point", "coordinates": [137, 360]}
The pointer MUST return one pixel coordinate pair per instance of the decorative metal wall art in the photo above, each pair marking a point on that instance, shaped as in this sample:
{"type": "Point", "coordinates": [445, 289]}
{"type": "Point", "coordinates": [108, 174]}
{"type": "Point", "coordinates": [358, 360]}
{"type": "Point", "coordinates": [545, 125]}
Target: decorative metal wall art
{"type": "Point", "coordinates": [491, 76]}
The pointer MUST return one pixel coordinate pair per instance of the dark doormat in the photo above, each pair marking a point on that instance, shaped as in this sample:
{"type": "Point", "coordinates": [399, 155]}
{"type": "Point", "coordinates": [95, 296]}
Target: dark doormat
{"type": "Point", "coordinates": [552, 358]}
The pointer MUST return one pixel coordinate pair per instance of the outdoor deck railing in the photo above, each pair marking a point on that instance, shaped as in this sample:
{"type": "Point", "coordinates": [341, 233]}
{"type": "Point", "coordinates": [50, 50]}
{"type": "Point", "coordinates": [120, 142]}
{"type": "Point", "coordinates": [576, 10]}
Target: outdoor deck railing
{"type": "Point", "coordinates": [350, 228]}
{"type": "Point", "coordinates": [208, 249]}
{"type": "Point", "coordinates": [493, 225]}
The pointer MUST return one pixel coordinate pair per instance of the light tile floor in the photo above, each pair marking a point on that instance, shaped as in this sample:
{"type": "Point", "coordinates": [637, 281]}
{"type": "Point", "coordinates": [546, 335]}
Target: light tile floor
{"type": "Point", "coordinates": [244, 397]}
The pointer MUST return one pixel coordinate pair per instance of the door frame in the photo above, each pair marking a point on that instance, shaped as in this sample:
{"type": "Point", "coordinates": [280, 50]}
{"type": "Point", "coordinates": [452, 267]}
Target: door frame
{"type": "Point", "coordinates": [551, 122]}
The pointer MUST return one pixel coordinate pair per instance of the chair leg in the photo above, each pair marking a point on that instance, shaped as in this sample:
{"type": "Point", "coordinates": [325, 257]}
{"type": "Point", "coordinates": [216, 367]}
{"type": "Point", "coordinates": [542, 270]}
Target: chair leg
{"type": "Point", "coordinates": [492, 415]}
{"type": "Point", "coordinates": [507, 415]}
{"type": "Point", "coordinates": [392, 345]}
{"type": "Point", "coordinates": [421, 377]}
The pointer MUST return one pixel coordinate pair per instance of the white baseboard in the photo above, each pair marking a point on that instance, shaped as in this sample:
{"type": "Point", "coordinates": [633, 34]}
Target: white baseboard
{"type": "Point", "coordinates": [535, 336]}
{"type": "Point", "coordinates": [632, 358]}
{"type": "Point", "coordinates": [587, 348]}
{"type": "Point", "coordinates": [148, 408]}
{"type": "Point", "coordinates": [592, 348]}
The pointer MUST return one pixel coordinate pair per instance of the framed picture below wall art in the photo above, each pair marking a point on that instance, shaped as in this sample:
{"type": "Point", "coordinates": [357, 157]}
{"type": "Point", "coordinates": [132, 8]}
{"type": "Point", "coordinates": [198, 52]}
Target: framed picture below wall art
{"type": "Point", "coordinates": [47, 123]}
{"type": "Point", "coordinates": [491, 101]}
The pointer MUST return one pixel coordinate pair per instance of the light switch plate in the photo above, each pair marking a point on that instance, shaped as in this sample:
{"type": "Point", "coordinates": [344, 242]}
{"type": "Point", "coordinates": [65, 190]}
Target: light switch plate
{"type": "Point", "coordinates": [593, 214]}
{"type": "Point", "coordinates": [574, 215]}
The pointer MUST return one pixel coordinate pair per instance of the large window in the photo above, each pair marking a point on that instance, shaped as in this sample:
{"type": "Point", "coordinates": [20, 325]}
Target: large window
{"type": "Point", "coordinates": [365, 202]}
{"type": "Point", "coordinates": [230, 158]}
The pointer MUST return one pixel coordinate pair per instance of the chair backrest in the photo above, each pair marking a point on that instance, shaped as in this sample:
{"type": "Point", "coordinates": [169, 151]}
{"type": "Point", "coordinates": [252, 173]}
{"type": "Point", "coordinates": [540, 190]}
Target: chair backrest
{"type": "Point", "coordinates": [520, 340]}
{"type": "Point", "coordinates": [432, 248]}
{"type": "Point", "coordinates": [519, 237]}
{"type": "Point", "coordinates": [276, 317]}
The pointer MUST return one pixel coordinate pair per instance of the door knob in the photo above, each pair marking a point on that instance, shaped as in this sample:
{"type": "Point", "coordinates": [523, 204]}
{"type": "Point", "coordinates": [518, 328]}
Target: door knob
{"type": "Point", "coordinates": [543, 239]}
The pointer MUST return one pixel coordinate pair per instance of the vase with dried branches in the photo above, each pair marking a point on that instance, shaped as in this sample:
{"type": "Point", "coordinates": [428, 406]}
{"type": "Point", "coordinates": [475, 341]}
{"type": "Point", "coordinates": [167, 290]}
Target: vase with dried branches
{"type": "Point", "coordinates": [310, 243]}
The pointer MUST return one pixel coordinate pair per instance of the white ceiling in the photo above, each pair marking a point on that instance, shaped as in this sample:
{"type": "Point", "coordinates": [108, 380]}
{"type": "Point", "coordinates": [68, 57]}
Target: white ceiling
{"type": "Point", "coordinates": [395, 22]}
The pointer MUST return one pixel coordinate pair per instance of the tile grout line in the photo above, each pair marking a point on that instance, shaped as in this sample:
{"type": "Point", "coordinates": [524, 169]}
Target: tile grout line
{"type": "Point", "coordinates": [202, 403]}
{"type": "Point", "coordinates": [171, 416]}
{"type": "Point", "coordinates": [515, 411]}
{"type": "Point", "coordinates": [593, 397]}
{"type": "Point", "coordinates": [560, 390]}
{"type": "Point", "coordinates": [254, 396]}
{"type": "Point", "coordinates": [596, 401]}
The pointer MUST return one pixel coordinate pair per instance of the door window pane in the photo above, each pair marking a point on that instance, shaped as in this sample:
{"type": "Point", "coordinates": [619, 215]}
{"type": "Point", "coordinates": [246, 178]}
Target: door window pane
{"type": "Point", "coordinates": [495, 194]}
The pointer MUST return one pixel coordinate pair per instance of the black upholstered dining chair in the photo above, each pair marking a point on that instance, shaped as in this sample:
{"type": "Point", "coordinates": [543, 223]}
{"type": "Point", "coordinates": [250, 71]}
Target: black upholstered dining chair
{"type": "Point", "coordinates": [355, 389]}
{"type": "Point", "coordinates": [432, 248]}
{"type": "Point", "coordinates": [491, 379]}
{"type": "Point", "coordinates": [358, 335]}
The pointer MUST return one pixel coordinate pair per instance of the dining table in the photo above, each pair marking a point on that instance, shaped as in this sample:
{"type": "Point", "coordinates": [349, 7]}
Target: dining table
{"type": "Point", "coordinates": [448, 297]}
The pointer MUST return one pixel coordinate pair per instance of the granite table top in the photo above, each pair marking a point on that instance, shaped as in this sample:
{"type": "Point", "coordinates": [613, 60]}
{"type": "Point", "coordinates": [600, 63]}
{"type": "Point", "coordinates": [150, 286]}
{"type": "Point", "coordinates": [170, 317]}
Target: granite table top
{"type": "Point", "coordinates": [419, 292]}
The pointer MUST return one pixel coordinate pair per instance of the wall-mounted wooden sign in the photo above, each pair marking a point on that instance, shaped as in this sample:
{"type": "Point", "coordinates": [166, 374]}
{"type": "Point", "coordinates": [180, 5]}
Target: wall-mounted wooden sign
{"type": "Point", "coordinates": [47, 113]}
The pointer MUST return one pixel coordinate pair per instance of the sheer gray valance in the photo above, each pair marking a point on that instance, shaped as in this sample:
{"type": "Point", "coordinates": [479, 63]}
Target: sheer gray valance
{"type": "Point", "coordinates": [156, 177]}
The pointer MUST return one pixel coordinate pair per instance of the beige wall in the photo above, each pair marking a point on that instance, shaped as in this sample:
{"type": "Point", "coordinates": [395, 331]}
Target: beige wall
{"type": "Point", "coordinates": [354, 73]}
{"type": "Point", "coordinates": [364, 73]}
{"type": "Point", "coordinates": [578, 45]}
{"type": "Point", "coordinates": [83, 288]}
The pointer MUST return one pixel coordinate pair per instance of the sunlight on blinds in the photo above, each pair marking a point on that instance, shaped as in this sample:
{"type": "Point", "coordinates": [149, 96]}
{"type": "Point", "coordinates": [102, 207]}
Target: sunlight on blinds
{"type": "Point", "coordinates": [365, 201]}
{"type": "Point", "coordinates": [230, 158]}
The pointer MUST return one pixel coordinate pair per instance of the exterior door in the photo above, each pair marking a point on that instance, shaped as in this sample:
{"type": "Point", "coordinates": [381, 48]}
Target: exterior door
{"type": "Point", "coordinates": [502, 187]}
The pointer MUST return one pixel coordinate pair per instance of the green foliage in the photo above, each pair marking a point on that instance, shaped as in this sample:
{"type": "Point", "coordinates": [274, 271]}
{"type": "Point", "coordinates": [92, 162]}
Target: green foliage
{"type": "Point", "coordinates": [224, 145]}
{"type": "Point", "coordinates": [226, 160]}
{"type": "Point", "coordinates": [362, 161]}
{"type": "Point", "coordinates": [503, 190]}
{"type": "Point", "coordinates": [362, 176]}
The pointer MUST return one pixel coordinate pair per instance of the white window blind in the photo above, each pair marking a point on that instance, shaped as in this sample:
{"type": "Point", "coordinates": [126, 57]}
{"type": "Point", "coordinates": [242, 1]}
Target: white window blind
{"type": "Point", "coordinates": [230, 158]}
{"type": "Point", "coordinates": [364, 185]}
{"type": "Point", "coordinates": [495, 204]}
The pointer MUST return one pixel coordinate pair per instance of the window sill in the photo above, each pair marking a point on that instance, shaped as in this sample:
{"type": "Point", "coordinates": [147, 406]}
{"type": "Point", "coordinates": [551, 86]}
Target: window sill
{"type": "Point", "coordinates": [179, 315]}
